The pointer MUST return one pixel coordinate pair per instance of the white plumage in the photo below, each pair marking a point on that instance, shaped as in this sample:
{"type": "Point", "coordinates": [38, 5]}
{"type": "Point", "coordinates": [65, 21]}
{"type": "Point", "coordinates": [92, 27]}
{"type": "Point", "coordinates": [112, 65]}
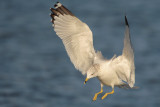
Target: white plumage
{"type": "Point", "coordinates": [78, 41]}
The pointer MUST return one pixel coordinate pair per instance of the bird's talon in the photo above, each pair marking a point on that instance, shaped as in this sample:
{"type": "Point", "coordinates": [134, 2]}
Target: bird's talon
{"type": "Point", "coordinates": [95, 98]}
{"type": "Point", "coordinates": [104, 97]}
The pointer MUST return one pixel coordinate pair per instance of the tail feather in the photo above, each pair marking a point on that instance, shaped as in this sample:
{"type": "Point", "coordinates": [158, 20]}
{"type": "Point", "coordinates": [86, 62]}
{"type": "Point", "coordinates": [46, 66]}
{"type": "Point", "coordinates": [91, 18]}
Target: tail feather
{"type": "Point", "coordinates": [126, 86]}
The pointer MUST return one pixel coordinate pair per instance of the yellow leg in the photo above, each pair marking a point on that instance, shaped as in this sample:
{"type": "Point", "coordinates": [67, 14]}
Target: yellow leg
{"type": "Point", "coordinates": [95, 96]}
{"type": "Point", "coordinates": [105, 95]}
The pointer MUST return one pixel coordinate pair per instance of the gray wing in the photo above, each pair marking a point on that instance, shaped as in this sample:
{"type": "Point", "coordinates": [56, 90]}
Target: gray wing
{"type": "Point", "coordinates": [128, 53]}
{"type": "Point", "coordinates": [76, 36]}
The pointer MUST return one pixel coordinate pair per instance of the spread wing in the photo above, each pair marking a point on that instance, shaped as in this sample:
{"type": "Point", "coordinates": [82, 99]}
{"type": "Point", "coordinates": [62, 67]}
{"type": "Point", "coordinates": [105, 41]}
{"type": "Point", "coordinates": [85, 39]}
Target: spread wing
{"type": "Point", "coordinates": [76, 36]}
{"type": "Point", "coordinates": [129, 54]}
{"type": "Point", "coordinates": [125, 68]}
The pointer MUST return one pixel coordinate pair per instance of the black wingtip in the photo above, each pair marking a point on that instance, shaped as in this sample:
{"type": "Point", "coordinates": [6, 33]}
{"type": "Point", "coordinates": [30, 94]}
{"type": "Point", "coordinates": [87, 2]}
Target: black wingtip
{"type": "Point", "coordinates": [55, 5]}
{"type": "Point", "coordinates": [126, 21]}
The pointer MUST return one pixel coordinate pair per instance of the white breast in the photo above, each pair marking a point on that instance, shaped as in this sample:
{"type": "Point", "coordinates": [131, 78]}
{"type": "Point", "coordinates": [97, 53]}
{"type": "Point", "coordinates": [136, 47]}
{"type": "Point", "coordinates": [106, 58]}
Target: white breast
{"type": "Point", "coordinates": [107, 75]}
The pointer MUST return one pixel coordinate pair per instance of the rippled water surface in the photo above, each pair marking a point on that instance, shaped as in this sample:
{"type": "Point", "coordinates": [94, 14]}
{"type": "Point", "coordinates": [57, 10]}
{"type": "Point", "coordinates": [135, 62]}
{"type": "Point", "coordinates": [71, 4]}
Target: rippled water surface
{"type": "Point", "coordinates": [35, 70]}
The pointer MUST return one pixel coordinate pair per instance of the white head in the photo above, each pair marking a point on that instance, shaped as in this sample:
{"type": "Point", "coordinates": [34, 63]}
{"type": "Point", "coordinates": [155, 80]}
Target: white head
{"type": "Point", "coordinates": [91, 74]}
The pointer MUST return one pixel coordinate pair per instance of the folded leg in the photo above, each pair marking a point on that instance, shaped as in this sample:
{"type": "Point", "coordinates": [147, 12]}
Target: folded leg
{"type": "Point", "coordinates": [96, 94]}
{"type": "Point", "coordinates": [105, 95]}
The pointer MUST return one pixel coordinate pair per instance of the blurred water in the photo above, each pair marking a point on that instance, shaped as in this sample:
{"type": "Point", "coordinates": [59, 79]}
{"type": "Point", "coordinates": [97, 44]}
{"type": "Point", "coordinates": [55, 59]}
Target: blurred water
{"type": "Point", "coordinates": [35, 70]}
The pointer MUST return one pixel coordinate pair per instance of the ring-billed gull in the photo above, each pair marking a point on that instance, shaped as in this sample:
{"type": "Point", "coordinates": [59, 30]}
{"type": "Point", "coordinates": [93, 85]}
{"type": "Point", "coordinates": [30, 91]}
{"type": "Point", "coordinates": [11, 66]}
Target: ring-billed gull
{"type": "Point", "coordinates": [78, 41]}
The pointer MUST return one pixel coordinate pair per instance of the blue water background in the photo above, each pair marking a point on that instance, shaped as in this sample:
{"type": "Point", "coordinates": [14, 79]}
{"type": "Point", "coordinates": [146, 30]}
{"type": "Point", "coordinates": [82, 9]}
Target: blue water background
{"type": "Point", "coordinates": [35, 70]}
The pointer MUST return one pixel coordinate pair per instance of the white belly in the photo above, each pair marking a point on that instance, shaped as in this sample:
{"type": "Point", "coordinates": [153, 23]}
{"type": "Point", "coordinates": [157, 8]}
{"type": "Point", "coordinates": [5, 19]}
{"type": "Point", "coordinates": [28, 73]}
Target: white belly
{"type": "Point", "coordinates": [109, 79]}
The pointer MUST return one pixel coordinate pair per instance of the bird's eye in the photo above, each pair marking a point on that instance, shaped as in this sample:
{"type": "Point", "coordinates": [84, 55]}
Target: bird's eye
{"type": "Point", "coordinates": [92, 73]}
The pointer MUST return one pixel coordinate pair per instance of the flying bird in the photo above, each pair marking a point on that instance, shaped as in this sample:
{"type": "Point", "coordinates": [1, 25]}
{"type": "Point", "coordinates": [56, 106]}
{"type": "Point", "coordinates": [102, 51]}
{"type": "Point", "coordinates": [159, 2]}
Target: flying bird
{"type": "Point", "coordinates": [78, 41]}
